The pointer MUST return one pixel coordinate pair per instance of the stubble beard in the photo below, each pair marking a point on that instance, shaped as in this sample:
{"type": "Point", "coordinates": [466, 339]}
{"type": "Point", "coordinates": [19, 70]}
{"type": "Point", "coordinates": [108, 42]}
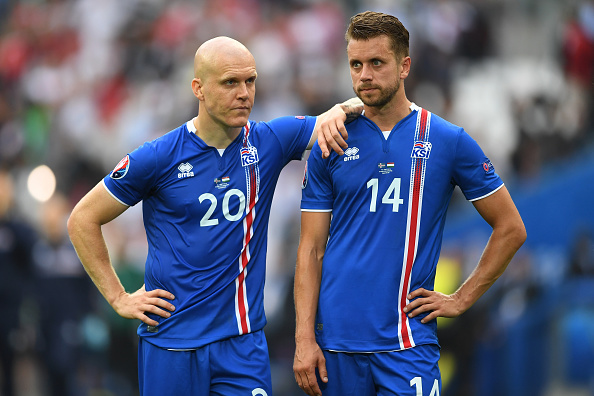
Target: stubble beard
{"type": "Point", "coordinates": [386, 96]}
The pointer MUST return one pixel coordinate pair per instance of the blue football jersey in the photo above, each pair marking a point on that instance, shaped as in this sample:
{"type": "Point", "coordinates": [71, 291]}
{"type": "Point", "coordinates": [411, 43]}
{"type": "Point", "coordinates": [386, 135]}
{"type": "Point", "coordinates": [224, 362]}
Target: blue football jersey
{"type": "Point", "coordinates": [388, 199]}
{"type": "Point", "coordinates": [206, 220]}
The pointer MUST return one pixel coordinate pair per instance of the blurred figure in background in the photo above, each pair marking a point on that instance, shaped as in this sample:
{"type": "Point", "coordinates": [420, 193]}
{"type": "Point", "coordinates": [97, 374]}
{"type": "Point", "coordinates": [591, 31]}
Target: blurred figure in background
{"type": "Point", "coordinates": [64, 299]}
{"type": "Point", "coordinates": [16, 244]}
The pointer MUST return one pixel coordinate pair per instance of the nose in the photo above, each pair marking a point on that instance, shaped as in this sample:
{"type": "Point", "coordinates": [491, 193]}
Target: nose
{"type": "Point", "coordinates": [366, 73]}
{"type": "Point", "coordinates": [242, 91]}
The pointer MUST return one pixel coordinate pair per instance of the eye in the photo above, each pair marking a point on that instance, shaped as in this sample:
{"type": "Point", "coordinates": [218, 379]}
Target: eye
{"type": "Point", "coordinates": [377, 62]}
{"type": "Point", "coordinates": [251, 80]}
{"type": "Point", "coordinates": [355, 64]}
{"type": "Point", "coordinates": [229, 82]}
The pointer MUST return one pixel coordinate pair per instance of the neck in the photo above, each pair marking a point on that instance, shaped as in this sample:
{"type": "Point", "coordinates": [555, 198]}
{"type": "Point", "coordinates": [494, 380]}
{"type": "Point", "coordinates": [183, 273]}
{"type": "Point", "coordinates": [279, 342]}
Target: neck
{"type": "Point", "coordinates": [389, 115]}
{"type": "Point", "coordinates": [215, 134]}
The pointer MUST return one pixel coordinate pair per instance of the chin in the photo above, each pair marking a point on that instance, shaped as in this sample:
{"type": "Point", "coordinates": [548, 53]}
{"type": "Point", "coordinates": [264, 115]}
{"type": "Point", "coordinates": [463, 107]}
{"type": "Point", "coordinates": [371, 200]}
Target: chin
{"type": "Point", "coordinates": [238, 122]}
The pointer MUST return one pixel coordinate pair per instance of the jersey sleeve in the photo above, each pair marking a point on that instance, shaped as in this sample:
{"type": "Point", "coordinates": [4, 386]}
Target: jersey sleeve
{"type": "Point", "coordinates": [474, 173]}
{"type": "Point", "coordinates": [133, 177]}
{"type": "Point", "coordinates": [293, 134]}
{"type": "Point", "coordinates": [316, 190]}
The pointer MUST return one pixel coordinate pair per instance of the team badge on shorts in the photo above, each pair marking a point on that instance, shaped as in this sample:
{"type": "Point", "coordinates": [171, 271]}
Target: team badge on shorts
{"type": "Point", "coordinates": [121, 168]}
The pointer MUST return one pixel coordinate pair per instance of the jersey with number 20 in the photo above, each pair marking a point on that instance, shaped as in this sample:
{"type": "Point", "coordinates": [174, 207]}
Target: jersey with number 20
{"type": "Point", "coordinates": [388, 199]}
{"type": "Point", "coordinates": [206, 220]}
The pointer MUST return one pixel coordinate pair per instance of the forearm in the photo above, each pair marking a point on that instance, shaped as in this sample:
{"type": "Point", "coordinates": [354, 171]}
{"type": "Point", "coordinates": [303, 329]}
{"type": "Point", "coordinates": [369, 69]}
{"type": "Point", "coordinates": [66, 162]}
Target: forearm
{"type": "Point", "coordinates": [308, 275]}
{"type": "Point", "coordinates": [499, 251]}
{"type": "Point", "coordinates": [90, 246]}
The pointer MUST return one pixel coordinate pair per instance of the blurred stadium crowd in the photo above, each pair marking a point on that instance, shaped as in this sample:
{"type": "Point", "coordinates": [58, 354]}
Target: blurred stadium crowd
{"type": "Point", "coordinates": [83, 82]}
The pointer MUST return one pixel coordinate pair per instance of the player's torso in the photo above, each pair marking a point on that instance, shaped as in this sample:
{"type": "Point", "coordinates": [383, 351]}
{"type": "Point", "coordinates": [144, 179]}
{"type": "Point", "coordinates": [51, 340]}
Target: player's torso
{"type": "Point", "coordinates": [390, 197]}
{"type": "Point", "coordinates": [202, 198]}
{"type": "Point", "coordinates": [378, 180]}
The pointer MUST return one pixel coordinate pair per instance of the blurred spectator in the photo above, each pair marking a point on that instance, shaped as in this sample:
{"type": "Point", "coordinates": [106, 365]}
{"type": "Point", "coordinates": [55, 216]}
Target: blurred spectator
{"type": "Point", "coordinates": [578, 59]}
{"type": "Point", "coordinates": [581, 262]}
{"type": "Point", "coordinates": [64, 298]}
{"type": "Point", "coordinates": [16, 242]}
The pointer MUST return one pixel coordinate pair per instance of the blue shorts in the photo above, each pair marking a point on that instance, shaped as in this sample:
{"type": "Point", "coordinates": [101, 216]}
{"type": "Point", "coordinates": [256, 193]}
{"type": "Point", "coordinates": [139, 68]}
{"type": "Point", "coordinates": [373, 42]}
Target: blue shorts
{"type": "Point", "coordinates": [413, 372]}
{"type": "Point", "coordinates": [236, 366]}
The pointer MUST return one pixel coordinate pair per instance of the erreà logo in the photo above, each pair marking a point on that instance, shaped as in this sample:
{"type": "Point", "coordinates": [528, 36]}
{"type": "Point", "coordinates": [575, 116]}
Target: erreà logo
{"type": "Point", "coordinates": [421, 150]}
{"type": "Point", "coordinates": [351, 154]}
{"type": "Point", "coordinates": [185, 169]}
{"type": "Point", "coordinates": [249, 156]}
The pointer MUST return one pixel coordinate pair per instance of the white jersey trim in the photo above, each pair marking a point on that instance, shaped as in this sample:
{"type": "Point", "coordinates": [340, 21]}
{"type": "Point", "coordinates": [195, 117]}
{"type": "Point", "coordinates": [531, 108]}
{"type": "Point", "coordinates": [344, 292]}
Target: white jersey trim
{"type": "Point", "coordinates": [366, 352]}
{"type": "Point", "coordinates": [110, 193]}
{"type": "Point", "coordinates": [182, 350]}
{"type": "Point", "coordinates": [486, 195]}
{"type": "Point", "coordinates": [317, 210]}
{"type": "Point", "coordinates": [190, 126]}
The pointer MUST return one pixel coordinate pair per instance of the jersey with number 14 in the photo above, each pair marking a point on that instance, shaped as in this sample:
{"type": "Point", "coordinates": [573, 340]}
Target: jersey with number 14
{"type": "Point", "coordinates": [206, 221]}
{"type": "Point", "coordinates": [388, 199]}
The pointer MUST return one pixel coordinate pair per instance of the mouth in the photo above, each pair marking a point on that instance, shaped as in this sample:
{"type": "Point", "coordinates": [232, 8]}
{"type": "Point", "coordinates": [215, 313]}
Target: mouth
{"type": "Point", "coordinates": [367, 89]}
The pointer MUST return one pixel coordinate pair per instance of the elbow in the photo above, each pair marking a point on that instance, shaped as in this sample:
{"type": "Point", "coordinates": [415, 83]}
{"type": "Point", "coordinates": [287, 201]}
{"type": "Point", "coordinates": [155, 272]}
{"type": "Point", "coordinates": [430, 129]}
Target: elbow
{"type": "Point", "coordinates": [517, 235]}
{"type": "Point", "coordinates": [73, 223]}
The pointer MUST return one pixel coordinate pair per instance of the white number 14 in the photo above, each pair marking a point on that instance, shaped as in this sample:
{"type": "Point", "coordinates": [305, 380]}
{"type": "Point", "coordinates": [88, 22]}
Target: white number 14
{"type": "Point", "coordinates": [416, 382]}
{"type": "Point", "coordinates": [392, 195]}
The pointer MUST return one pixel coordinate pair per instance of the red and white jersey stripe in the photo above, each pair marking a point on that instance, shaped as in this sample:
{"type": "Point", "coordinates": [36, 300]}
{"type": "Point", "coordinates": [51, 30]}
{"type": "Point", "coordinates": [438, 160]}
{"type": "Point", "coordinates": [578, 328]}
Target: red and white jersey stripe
{"type": "Point", "coordinates": [252, 175]}
{"type": "Point", "coordinates": [415, 203]}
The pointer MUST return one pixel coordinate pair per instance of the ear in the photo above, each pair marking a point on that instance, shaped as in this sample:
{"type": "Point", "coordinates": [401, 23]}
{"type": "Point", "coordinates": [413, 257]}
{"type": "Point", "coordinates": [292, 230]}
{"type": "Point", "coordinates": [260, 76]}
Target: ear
{"type": "Point", "coordinates": [405, 64]}
{"type": "Point", "coordinates": [197, 88]}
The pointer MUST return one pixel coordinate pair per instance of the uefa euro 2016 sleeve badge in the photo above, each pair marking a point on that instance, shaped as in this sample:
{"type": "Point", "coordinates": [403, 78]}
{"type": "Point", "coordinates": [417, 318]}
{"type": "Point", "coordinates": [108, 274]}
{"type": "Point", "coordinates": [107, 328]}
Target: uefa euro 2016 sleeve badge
{"type": "Point", "coordinates": [121, 168]}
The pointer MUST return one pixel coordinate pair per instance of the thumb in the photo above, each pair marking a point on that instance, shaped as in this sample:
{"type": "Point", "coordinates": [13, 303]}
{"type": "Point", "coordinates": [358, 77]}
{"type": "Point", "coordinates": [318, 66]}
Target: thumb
{"type": "Point", "coordinates": [322, 371]}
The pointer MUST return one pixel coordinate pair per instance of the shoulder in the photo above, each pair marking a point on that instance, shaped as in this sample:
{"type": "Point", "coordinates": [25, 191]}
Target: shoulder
{"type": "Point", "coordinates": [164, 145]}
{"type": "Point", "coordinates": [284, 123]}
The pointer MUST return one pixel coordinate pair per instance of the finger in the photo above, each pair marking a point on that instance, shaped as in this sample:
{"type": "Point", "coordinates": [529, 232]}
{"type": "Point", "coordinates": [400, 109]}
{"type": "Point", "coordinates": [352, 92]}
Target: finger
{"type": "Point", "coordinates": [161, 293]}
{"type": "Point", "coordinates": [415, 304]}
{"type": "Point", "coordinates": [335, 145]}
{"type": "Point", "coordinates": [148, 320]}
{"type": "Point", "coordinates": [313, 384]}
{"type": "Point", "coordinates": [337, 138]}
{"type": "Point", "coordinates": [298, 379]}
{"type": "Point", "coordinates": [416, 293]}
{"type": "Point", "coordinates": [157, 311]}
{"type": "Point", "coordinates": [304, 384]}
{"type": "Point", "coordinates": [343, 131]}
{"type": "Point", "coordinates": [422, 309]}
{"type": "Point", "coordinates": [323, 146]}
{"type": "Point", "coordinates": [161, 303]}
{"type": "Point", "coordinates": [433, 315]}
{"type": "Point", "coordinates": [331, 134]}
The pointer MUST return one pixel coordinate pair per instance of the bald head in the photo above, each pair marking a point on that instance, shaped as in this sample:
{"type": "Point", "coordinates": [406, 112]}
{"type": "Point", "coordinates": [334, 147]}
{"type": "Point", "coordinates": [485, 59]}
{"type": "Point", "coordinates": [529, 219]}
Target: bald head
{"type": "Point", "coordinates": [214, 53]}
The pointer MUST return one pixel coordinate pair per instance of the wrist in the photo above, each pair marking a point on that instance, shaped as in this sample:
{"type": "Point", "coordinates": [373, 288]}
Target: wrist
{"type": "Point", "coordinates": [305, 336]}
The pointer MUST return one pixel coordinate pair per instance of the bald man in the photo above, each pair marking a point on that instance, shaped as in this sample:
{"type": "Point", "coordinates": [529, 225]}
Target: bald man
{"type": "Point", "coordinates": [206, 189]}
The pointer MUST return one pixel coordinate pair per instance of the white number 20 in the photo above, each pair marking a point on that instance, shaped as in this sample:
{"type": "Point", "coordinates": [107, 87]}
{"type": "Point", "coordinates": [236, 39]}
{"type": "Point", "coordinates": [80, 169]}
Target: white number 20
{"type": "Point", "coordinates": [392, 195]}
{"type": "Point", "coordinates": [206, 221]}
{"type": "Point", "coordinates": [416, 382]}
